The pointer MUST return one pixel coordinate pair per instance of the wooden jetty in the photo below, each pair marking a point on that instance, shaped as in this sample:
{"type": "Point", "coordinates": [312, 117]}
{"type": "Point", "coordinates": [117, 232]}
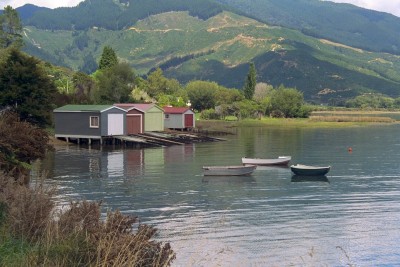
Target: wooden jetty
{"type": "Point", "coordinates": [147, 139]}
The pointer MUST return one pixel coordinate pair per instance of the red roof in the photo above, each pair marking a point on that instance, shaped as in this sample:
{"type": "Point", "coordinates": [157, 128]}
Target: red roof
{"type": "Point", "coordinates": [175, 110]}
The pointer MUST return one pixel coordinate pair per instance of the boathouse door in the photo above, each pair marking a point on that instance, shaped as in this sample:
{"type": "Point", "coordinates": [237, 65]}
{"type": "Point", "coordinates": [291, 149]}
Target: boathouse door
{"type": "Point", "coordinates": [115, 124]}
{"type": "Point", "coordinates": [134, 123]}
{"type": "Point", "coordinates": [188, 120]}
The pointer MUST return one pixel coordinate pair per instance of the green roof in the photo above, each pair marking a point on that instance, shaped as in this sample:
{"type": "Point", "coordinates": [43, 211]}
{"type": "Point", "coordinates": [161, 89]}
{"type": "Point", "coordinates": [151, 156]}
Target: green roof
{"type": "Point", "coordinates": [83, 108]}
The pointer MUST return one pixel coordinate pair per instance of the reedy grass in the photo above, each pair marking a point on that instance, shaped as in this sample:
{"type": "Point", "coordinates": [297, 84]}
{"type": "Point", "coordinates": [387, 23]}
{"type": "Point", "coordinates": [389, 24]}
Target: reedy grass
{"type": "Point", "coordinates": [367, 119]}
{"type": "Point", "coordinates": [34, 233]}
{"type": "Point", "coordinates": [334, 121]}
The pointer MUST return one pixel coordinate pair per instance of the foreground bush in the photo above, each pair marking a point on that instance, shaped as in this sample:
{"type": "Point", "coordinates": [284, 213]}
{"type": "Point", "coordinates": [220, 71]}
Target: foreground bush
{"type": "Point", "coordinates": [33, 234]}
{"type": "Point", "coordinates": [20, 144]}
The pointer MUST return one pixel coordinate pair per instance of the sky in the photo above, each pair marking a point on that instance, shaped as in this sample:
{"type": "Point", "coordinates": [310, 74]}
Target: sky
{"type": "Point", "coordinates": [389, 6]}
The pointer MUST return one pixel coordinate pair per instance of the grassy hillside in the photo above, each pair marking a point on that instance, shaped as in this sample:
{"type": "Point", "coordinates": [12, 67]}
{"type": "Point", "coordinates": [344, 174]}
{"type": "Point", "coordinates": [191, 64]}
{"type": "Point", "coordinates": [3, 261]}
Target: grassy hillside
{"type": "Point", "coordinates": [220, 48]}
{"type": "Point", "coordinates": [342, 23]}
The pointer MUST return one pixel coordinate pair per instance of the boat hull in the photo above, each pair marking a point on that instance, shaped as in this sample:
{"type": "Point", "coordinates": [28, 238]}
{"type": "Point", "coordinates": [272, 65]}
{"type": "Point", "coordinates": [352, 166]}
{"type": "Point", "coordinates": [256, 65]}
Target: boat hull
{"type": "Point", "coordinates": [281, 161]}
{"type": "Point", "coordinates": [309, 170]}
{"type": "Point", "coordinates": [228, 170]}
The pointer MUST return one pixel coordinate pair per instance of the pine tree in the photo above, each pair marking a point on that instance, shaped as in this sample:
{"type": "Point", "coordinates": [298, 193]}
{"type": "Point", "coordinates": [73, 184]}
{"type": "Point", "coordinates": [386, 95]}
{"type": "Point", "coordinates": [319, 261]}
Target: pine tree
{"type": "Point", "coordinates": [10, 28]}
{"type": "Point", "coordinates": [250, 84]}
{"type": "Point", "coordinates": [108, 58]}
{"type": "Point", "coordinates": [26, 89]}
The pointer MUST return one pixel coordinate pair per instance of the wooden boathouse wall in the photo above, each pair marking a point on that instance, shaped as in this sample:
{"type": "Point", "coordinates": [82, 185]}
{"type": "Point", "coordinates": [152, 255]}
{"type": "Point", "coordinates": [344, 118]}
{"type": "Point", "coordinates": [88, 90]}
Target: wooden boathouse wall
{"type": "Point", "coordinates": [73, 124]}
{"type": "Point", "coordinates": [76, 122]}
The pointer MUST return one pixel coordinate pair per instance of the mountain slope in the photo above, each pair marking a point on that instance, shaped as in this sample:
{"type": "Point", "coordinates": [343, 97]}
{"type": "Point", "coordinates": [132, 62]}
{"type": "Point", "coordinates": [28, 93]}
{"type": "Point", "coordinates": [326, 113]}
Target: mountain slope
{"type": "Point", "coordinates": [116, 15]}
{"type": "Point", "coordinates": [342, 23]}
{"type": "Point", "coordinates": [220, 48]}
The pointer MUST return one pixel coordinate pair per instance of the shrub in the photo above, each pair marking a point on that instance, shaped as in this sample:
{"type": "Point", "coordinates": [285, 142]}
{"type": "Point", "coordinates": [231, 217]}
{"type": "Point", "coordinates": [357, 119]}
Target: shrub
{"type": "Point", "coordinates": [209, 114]}
{"type": "Point", "coordinates": [20, 144]}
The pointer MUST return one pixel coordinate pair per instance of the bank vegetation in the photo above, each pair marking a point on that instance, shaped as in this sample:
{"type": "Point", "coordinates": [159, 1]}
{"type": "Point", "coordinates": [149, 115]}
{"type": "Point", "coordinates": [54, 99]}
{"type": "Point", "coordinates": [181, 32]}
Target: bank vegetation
{"type": "Point", "coordinates": [34, 231]}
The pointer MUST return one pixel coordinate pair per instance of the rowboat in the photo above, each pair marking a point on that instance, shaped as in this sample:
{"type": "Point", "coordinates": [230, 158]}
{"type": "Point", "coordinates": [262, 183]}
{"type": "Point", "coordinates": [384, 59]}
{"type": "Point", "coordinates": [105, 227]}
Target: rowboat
{"type": "Point", "coordinates": [300, 169]}
{"type": "Point", "coordinates": [280, 161]}
{"type": "Point", "coordinates": [228, 170]}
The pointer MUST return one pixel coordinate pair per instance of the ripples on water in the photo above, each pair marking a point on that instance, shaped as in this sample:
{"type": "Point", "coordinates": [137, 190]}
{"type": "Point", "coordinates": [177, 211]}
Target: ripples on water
{"type": "Point", "coordinates": [267, 219]}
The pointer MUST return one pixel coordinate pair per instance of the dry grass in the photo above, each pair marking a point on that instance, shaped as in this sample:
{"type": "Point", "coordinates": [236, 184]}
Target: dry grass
{"type": "Point", "coordinates": [338, 119]}
{"type": "Point", "coordinates": [33, 233]}
{"type": "Point", "coordinates": [368, 119]}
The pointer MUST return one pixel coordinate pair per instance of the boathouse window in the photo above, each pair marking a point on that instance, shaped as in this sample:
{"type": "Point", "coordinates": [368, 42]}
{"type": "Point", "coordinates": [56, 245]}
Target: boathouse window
{"type": "Point", "coordinates": [167, 116]}
{"type": "Point", "coordinates": [94, 122]}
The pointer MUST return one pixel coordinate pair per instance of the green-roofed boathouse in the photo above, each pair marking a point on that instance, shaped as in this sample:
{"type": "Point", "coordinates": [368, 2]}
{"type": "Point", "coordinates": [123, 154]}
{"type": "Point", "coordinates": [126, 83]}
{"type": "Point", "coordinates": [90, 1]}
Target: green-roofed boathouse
{"type": "Point", "coordinates": [91, 122]}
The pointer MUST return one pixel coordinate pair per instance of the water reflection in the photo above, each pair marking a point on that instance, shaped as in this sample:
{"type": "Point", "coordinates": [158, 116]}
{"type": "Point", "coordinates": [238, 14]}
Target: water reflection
{"type": "Point", "coordinates": [284, 169]}
{"type": "Point", "coordinates": [270, 218]}
{"type": "Point", "coordinates": [229, 179]}
{"type": "Point", "coordinates": [305, 178]}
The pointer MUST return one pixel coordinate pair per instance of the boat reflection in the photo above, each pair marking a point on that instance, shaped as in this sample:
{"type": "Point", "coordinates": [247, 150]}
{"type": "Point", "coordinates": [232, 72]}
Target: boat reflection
{"type": "Point", "coordinates": [308, 178]}
{"type": "Point", "coordinates": [274, 168]}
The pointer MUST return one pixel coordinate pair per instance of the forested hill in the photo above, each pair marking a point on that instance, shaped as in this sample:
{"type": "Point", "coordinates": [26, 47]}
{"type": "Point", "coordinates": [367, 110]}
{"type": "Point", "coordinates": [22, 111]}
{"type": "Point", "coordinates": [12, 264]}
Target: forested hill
{"type": "Point", "coordinates": [343, 23]}
{"type": "Point", "coordinates": [116, 15]}
{"type": "Point", "coordinates": [203, 40]}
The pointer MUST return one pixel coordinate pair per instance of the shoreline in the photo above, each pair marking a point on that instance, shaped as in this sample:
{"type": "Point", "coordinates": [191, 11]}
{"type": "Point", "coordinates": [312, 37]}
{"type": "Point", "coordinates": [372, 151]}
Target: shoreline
{"type": "Point", "coordinates": [336, 119]}
{"type": "Point", "coordinates": [312, 122]}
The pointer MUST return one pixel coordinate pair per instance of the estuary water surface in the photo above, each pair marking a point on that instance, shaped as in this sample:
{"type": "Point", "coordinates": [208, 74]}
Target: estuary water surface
{"type": "Point", "coordinates": [266, 219]}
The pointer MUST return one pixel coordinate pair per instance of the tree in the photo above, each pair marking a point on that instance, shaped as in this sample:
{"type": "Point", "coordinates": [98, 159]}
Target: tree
{"type": "Point", "coordinates": [115, 84]}
{"type": "Point", "coordinates": [202, 94]}
{"type": "Point", "coordinates": [10, 29]}
{"type": "Point", "coordinates": [287, 101]}
{"type": "Point", "coordinates": [262, 91]}
{"type": "Point", "coordinates": [108, 58]}
{"type": "Point", "coordinates": [250, 83]}
{"type": "Point", "coordinates": [224, 95]}
{"type": "Point", "coordinates": [156, 83]}
{"type": "Point", "coordinates": [85, 87]}
{"type": "Point", "coordinates": [373, 101]}
{"type": "Point", "coordinates": [89, 64]}
{"type": "Point", "coordinates": [245, 109]}
{"type": "Point", "coordinates": [26, 89]}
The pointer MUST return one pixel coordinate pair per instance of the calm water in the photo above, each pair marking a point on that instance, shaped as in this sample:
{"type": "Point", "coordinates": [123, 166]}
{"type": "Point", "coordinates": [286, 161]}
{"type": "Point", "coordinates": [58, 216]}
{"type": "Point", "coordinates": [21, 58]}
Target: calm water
{"type": "Point", "coordinates": [266, 219]}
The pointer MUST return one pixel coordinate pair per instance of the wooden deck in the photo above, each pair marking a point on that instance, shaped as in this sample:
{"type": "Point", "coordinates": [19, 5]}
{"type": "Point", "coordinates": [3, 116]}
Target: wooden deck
{"type": "Point", "coordinates": [148, 139]}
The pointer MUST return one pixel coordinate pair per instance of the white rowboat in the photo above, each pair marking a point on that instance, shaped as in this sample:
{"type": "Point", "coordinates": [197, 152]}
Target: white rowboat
{"type": "Point", "coordinates": [280, 161]}
{"type": "Point", "coordinates": [228, 170]}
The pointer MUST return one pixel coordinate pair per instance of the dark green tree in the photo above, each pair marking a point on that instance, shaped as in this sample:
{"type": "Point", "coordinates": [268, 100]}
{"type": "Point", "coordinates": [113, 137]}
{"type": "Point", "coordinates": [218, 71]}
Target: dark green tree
{"type": "Point", "coordinates": [108, 58]}
{"type": "Point", "coordinates": [115, 84]}
{"type": "Point", "coordinates": [26, 89]}
{"type": "Point", "coordinates": [250, 83]}
{"type": "Point", "coordinates": [287, 101]}
{"type": "Point", "coordinates": [202, 94]}
{"type": "Point", "coordinates": [10, 29]}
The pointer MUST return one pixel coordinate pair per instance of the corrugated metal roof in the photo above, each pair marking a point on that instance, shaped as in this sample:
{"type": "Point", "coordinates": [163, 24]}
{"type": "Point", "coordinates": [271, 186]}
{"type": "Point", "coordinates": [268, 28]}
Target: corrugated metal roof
{"type": "Point", "coordinates": [175, 110]}
{"type": "Point", "coordinates": [83, 108]}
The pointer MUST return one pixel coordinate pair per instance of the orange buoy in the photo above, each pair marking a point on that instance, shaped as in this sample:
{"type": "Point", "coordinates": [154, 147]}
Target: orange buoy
{"type": "Point", "coordinates": [350, 149]}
